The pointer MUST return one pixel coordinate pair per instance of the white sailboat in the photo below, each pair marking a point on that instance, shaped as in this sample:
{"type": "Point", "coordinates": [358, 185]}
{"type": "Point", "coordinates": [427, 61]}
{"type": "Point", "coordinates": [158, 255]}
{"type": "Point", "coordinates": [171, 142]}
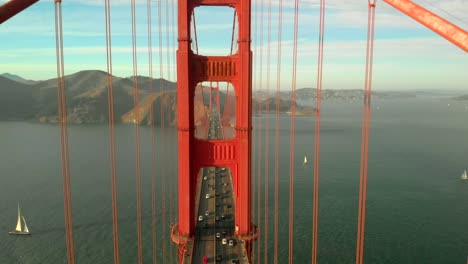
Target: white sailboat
{"type": "Point", "coordinates": [19, 230]}
{"type": "Point", "coordinates": [305, 161]}
{"type": "Point", "coordinates": [464, 176]}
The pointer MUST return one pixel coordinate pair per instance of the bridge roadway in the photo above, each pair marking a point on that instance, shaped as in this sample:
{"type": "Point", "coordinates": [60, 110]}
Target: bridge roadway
{"type": "Point", "coordinates": [216, 212]}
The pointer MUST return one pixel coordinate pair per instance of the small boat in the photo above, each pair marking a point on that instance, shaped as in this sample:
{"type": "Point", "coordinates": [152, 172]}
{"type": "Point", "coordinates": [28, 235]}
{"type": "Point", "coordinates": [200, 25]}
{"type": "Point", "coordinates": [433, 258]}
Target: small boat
{"type": "Point", "coordinates": [305, 161]}
{"type": "Point", "coordinates": [464, 176]}
{"type": "Point", "coordinates": [19, 230]}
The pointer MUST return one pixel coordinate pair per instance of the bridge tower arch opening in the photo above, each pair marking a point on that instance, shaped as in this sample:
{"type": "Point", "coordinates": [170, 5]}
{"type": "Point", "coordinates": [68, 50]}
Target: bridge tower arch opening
{"type": "Point", "coordinates": [215, 102]}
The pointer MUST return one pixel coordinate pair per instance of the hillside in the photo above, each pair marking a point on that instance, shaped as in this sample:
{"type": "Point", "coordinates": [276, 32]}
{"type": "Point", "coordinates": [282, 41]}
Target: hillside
{"type": "Point", "coordinates": [87, 99]}
{"type": "Point", "coordinates": [461, 97]}
{"type": "Point", "coordinates": [17, 78]}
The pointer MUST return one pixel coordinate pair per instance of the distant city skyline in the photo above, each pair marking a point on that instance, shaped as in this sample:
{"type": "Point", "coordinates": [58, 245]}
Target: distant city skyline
{"type": "Point", "coordinates": [407, 55]}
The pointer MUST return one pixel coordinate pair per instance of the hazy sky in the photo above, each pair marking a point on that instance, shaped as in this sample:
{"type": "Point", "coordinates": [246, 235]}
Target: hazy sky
{"type": "Point", "coordinates": [407, 55]}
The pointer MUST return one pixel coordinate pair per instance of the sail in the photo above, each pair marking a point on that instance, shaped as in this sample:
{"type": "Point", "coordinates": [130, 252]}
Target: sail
{"type": "Point", "coordinates": [25, 226]}
{"type": "Point", "coordinates": [18, 225]}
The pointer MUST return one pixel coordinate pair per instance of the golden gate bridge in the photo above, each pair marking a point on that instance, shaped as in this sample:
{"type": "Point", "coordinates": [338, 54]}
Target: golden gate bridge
{"type": "Point", "coordinates": [215, 145]}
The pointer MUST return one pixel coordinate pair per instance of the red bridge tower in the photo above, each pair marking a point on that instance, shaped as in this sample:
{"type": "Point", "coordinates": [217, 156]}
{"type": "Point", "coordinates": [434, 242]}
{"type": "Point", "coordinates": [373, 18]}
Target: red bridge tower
{"type": "Point", "coordinates": [194, 153]}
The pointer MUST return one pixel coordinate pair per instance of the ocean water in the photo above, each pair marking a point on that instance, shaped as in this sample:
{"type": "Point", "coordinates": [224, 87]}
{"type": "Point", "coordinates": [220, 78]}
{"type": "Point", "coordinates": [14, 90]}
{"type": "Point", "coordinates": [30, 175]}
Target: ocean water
{"type": "Point", "coordinates": [417, 207]}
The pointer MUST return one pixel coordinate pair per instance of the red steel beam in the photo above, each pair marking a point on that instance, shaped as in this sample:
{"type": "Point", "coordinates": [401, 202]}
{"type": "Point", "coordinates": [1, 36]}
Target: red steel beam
{"type": "Point", "coordinates": [449, 31]}
{"type": "Point", "coordinates": [13, 7]}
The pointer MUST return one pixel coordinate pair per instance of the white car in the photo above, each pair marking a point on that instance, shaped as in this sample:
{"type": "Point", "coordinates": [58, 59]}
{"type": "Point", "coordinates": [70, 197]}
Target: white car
{"type": "Point", "coordinates": [207, 213]}
{"type": "Point", "coordinates": [231, 242]}
{"type": "Point", "coordinates": [205, 178]}
{"type": "Point", "coordinates": [207, 196]}
{"type": "Point", "coordinates": [224, 241]}
{"type": "Point", "coordinates": [218, 235]}
{"type": "Point", "coordinates": [200, 218]}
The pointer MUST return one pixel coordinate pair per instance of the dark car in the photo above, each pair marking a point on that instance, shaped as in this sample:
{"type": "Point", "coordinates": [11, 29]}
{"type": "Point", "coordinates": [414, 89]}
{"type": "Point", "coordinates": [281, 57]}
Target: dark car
{"type": "Point", "coordinates": [219, 258]}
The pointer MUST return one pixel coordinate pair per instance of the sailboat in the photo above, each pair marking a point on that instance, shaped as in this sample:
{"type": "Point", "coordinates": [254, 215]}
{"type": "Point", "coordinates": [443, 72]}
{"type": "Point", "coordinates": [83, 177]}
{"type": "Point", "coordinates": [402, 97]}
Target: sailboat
{"type": "Point", "coordinates": [18, 230]}
{"type": "Point", "coordinates": [464, 176]}
{"type": "Point", "coordinates": [305, 161]}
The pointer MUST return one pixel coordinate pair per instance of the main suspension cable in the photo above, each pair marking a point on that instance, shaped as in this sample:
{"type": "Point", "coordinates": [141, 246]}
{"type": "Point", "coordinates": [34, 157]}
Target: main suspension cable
{"type": "Point", "coordinates": [112, 155]}
{"type": "Point", "coordinates": [62, 111]}
{"type": "Point", "coordinates": [365, 133]}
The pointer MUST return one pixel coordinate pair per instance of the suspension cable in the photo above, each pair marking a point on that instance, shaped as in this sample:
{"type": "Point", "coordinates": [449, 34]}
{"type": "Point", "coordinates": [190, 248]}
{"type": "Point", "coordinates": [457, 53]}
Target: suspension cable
{"type": "Point", "coordinates": [267, 138]}
{"type": "Point", "coordinates": [365, 133]}
{"type": "Point", "coordinates": [292, 138]}
{"type": "Point", "coordinates": [255, 200]}
{"type": "Point", "coordinates": [153, 132]}
{"type": "Point", "coordinates": [169, 181]}
{"type": "Point", "coordinates": [173, 135]}
{"type": "Point", "coordinates": [317, 134]}
{"type": "Point", "coordinates": [137, 134]}
{"type": "Point", "coordinates": [278, 90]}
{"type": "Point", "coordinates": [162, 145]}
{"type": "Point", "coordinates": [112, 158]}
{"type": "Point", "coordinates": [195, 33]}
{"type": "Point", "coordinates": [62, 110]}
{"type": "Point", "coordinates": [260, 127]}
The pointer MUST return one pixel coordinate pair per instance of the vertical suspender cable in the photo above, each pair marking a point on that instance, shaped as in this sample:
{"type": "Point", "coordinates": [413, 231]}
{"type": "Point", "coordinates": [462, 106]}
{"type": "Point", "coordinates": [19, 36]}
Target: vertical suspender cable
{"type": "Point", "coordinates": [260, 127]}
{"type": "Point", "coordinates": [168, 151]}
{"type": "Point", "coordinates": [292, 138]}
{"type": "Point", "coordinates": [62, 109]}
{"type": "Point", "coordinates": [112, 158]}
{"type": "Point", "coordinates": [226, 102]}
{"type": "Point", "coordinates": [137, 134]}
{"type": "Point", "coordinates": [173, 135]}
{"type": "Point", "coordinates": [267, 138]}
{"type": "Point", "coordinates": [278, 87]}
{"type": "Point", "coordinates": [162, 155]}
{"type": "Point", "coordinates": [365, 134]}
{"type": "Point", "coordinates": [195, 32]}
{"type": "Point", "coordinates": [153, 132]}
{"type": "Point", "coordinates": [255, 149]}
{"type": "Point", "coordinates": [317, 134]}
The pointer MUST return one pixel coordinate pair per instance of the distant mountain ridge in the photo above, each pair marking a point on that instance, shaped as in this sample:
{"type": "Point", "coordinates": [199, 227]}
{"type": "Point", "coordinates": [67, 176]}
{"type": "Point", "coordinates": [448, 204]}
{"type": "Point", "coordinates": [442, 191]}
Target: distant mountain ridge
{"type": "Point", "coordinates": [17, 78]}
{"type": "Point", "coordinates": [86, 97]}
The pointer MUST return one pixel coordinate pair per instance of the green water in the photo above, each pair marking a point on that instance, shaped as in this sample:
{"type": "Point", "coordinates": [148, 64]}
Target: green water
{"type": "Point", "coordinates": [417, 207]}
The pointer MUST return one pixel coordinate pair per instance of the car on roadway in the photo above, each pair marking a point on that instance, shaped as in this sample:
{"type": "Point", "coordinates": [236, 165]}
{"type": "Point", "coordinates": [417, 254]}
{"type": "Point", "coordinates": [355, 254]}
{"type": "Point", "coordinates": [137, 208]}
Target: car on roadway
{"type": "Point", "coordinates": [207, 196]}
{"type": "Point", "coordinates": [218, 235]}
{"type": "Point", "coordinates": [224, 241]}
{"type": "Point", "coordinates": [232, 242]}
{"type": "Point", "coordinates": [200, 218]}
{"type": "Point", "coordinates": [207, 213]}
{"type": "Point", "coordinates": [205, 178]}
{"type": "Point", "coordinates": [219, 258]}
{"type": "Point", "coordinates": [205, 259]}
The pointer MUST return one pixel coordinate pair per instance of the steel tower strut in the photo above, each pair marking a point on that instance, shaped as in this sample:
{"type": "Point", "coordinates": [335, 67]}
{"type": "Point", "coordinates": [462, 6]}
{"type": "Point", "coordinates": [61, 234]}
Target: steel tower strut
{"type": "Point", "coordinates": [194, 153]}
